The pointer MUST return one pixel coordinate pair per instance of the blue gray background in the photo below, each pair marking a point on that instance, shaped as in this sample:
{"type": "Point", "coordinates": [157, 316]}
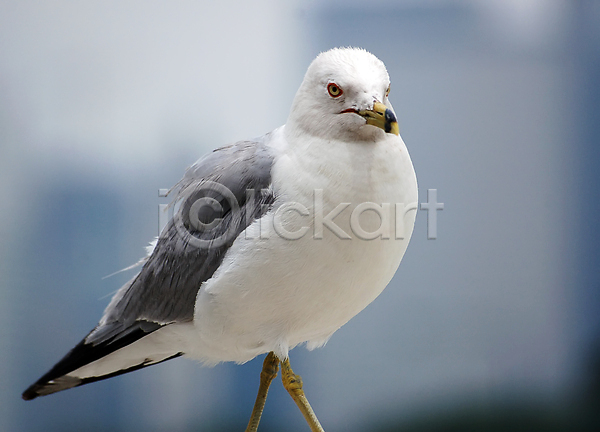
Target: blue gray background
{"type": "Point", "coordinates": [497, 321]}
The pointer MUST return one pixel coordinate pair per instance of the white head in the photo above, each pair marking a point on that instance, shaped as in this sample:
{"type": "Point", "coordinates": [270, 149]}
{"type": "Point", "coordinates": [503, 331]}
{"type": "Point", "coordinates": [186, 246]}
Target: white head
{"type": "Point", "coordinates": [344, 96]}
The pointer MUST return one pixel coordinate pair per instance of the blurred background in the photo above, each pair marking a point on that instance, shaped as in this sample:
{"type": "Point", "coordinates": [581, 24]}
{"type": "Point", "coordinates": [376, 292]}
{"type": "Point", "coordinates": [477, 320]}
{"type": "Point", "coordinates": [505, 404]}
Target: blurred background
{"type": "Point", "coordinates": [495, 325]}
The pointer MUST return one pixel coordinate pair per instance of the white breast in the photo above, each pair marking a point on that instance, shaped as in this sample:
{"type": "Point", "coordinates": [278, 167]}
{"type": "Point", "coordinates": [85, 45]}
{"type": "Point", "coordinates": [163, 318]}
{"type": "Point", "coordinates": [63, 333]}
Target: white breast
{"type": "Point", "coordinates": [273, 292]}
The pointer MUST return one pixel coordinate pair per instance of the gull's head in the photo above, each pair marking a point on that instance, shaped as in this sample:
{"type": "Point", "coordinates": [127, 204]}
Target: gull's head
{"type": "Point", "coordinates": [344, 95]}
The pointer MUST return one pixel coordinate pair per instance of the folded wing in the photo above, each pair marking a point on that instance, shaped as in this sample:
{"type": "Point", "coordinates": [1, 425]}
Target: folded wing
{"type": "Point", "coordinates": [219, 196]}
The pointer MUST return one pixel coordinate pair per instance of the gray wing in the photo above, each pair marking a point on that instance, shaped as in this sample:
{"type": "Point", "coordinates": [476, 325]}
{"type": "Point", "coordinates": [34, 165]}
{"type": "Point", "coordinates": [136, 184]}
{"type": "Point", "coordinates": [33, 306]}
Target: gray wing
{"type": "Point", "coordinates": [220, 195]}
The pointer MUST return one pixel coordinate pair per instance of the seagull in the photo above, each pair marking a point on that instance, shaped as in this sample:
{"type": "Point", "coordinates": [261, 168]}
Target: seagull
{"type": "Point", "coordinates": [275, 242]}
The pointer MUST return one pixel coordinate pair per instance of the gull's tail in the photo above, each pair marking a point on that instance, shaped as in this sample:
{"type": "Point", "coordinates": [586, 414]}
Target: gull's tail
{"type": "Point", "coordinates": [116, 352]}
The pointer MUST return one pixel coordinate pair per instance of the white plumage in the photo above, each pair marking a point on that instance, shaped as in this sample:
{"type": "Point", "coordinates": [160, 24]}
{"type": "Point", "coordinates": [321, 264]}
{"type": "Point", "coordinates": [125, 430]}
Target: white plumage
{"type": "Point", "coordinates": [270, 291]}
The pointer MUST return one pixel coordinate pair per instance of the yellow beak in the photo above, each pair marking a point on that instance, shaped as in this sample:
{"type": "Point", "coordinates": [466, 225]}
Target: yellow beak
{"type": "Point", "coordinates": [382, 117]}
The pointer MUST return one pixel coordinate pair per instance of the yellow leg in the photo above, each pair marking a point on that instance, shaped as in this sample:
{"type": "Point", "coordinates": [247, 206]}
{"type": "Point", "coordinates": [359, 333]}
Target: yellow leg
{"type": "Point", "coordinates": [293, 384]}
{"type": "Point", "coordinates": [269, 371]}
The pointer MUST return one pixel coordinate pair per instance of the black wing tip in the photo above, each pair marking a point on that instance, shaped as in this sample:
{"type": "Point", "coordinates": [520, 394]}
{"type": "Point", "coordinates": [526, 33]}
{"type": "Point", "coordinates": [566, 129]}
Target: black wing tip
{"type": "Point", "coordinates": [30, 393]}
{"type": "Point", "coordinates": [56, 379]}
{"type": "Point", "coordinates": [44, 387]}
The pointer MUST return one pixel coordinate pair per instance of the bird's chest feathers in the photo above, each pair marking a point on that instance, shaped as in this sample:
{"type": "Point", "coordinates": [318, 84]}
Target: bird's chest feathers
{"type": "Point", "coordinates": [343, 201]}
{"type": "Point", "coordinates": [344, 172]}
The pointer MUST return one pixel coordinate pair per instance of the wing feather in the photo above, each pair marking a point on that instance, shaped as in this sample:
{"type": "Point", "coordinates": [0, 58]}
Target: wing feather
{"type": "Point", "coordinates": [186, 254]}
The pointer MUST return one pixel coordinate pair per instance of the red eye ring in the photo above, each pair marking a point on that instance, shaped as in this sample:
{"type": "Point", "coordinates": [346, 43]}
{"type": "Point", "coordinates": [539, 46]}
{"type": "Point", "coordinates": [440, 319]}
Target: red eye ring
{"type": "Point", "coordinates": [334, 90]}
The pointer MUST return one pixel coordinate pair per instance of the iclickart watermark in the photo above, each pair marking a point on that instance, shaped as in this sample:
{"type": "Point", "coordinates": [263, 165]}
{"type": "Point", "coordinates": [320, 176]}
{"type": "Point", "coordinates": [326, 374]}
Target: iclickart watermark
{"type": "Point", "coordinates": [211, 215]}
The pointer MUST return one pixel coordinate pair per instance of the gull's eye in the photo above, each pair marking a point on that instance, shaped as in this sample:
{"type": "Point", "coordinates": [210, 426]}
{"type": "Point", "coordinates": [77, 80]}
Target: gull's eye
{"type": "Point", "coordinates": [387, 92]}
{"type": "Point", "coordinates": [334, 90]}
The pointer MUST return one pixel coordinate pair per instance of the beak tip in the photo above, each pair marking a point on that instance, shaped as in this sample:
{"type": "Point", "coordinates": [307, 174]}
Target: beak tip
{"type": "Point", "coordinates": [391, 124]}
{"type": "Point", "coordinates": [381, 117]}
{"type": "Point", "coordinates": [390, 117]}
